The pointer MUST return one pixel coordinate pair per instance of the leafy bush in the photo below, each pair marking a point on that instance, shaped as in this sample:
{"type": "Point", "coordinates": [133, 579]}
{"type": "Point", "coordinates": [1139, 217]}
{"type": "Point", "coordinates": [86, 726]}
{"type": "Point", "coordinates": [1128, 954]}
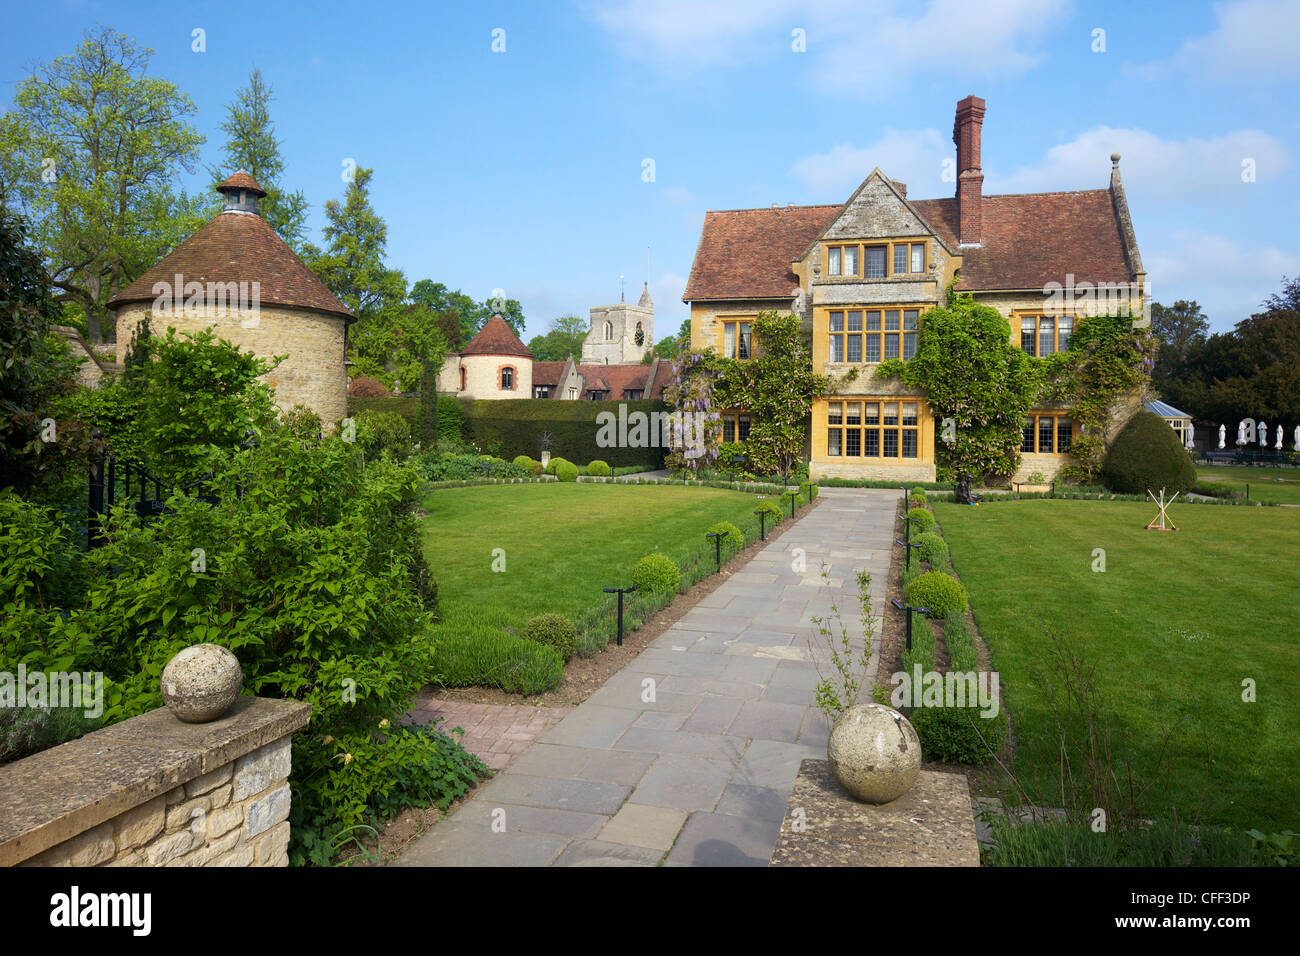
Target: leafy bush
{"type": "Point", "coordinates": [364, 386]}
{"type": "Point", "coordinates": [448, 466]}
{"type": "Point", "coordinates": [566, 471]}
{"type": "Point", "coordinates": [553, 464]}
{"type": "Point", "coordinates": [302, 423]}
{"type": "Point", "coordinates": [379, 433]}
{"type": "Point", "coordinates": [598, 469]}
{"type": "Point", "coordinates": [1213, 489]}
{"type": "Point", "coordinates": [772, 511]}
{"type": "Point", "coordinates": [941, 593]}
{"type": "Point", "coordinates": [924, 520]}
{"type": "Point", "coordinates": [916, 499]}
{"type": "Point", "coordinates": [933, 549]}
{"type": "Point", "coordinates": [656, 573]}
{"type": "Point", "coordinates": [553, 630]}
{"type": "Point", "coordinates": [530, 465]}
{"type": "Point", "coordinates": [1036, 478]}
{"type": "Point", "coordinates": [953, 734]}
{"type": "Point", "coordinates": [734, 540]}
{"type": "Point", "coordinates": [1147, 455]}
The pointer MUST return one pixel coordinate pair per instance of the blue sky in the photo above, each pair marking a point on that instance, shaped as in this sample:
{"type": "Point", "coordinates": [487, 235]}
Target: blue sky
{"type": "Point", "coordinates": [525, 169]}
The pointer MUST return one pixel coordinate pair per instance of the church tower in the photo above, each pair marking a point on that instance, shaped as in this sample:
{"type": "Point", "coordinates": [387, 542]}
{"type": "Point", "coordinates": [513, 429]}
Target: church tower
{"type": "Point", "coordinates": [620, 334]}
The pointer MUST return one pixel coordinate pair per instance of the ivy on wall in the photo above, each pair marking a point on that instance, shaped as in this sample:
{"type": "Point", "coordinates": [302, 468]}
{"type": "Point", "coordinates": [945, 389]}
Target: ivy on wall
{"type": "Point", "coordinates": [979, 386]}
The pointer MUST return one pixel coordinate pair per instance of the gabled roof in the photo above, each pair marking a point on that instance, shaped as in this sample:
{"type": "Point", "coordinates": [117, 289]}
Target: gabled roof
{"type": "Point", "coordinates": [238, 247]}
{"type": "Point", "coordinates": [547, 373]}
{"type": "Point", "coordinates": [615, 379]}
{"type": "Point", "coordinates": [1029, 240]}
{"type": "Point", "coordinates": [746, 253]}
{"type": "Point", "coordinates": [496, 338]}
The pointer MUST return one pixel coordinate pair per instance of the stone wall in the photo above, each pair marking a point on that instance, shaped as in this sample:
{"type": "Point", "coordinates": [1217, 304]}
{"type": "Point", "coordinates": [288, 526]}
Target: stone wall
{"type": "Point", "coordinates": [312, 374]}
{"type": "Point", "coordinates": [153, 791]}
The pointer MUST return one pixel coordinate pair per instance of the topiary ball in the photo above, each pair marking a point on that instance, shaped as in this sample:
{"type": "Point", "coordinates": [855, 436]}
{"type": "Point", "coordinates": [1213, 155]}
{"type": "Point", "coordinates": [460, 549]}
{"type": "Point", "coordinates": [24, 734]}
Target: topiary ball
{"type": "Point", "coordinates": [734, 540]}
{"type": "Point", "coordinates": [553, 630]}
{"type": "Point", "coordinates": [533, 467]}
{"type": "Point", "coordinates": [924, 520]}
{"type": "Point", "coordinates": [916, 499]}
{"type": "Point", "coordinates": [555, 463]}
{"type": "Point", "coordinates": [933, 549]}
{"type": "Point", "coordinates": [938, 591]}
{"type": "Point", "coordinates": [773, 512]}
{"type": "Point", "coordinates": [1147, 455]}
{"type": "Point", "coordinates": [657, 573]}
{"type": "Point", "coordinates": [566, 471]}
{"type": "Point", "coordinates": [598, 469]}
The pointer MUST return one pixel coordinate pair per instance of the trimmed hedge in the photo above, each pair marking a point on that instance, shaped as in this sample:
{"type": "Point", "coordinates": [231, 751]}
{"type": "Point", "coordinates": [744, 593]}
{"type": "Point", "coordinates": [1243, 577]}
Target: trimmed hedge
{"type": "Point", "coordinates": [449, 415]}
{"type": "Point", "coordinates": [952, 734]}
{"type": "Point", "coordinates": [555, 463]}
{"type": "Point", "coordinates": [933, 549]}
{"type": "Point", "coordinates": [773, 512]}
{"type": "Point", "coordinates": [941, 593]}
{"type": "Point", "coordinates": [657, 573]}
{"type": "Point", "coordinates": [516, 425]}
{"type": "Point", "coordinates": [1147, 456]}
{"type": "Point", "coordinates": [553, 630]}
{"type": "Point", "coordinates": [566, 470]}
{"type": "Point", "coordinates": [734, 540]}
{"type": "Point", "coordinates": [598, 469]}
{"type": "Point", "coordinates": [533, 467]}
{"type": "Point", "coordinates": [924, 519]}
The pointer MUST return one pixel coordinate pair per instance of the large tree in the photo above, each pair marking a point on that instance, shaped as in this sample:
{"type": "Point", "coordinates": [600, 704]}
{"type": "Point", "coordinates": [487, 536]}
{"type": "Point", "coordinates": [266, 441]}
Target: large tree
{"type": "Point", "coordinates": [1178, 328]}
{"type": "Point", "coordinates": [251, 145]}
{"type": "Point", "coordinates": [564, 339]}
{"type": "Point", "coordinates": [1251, 372]}
{"type": "Point", "coordinates": [460, 316]}
{"type": "Point", "coordinates": [393, 337]}
{"type": "Point", "coordinates": [90, 153]}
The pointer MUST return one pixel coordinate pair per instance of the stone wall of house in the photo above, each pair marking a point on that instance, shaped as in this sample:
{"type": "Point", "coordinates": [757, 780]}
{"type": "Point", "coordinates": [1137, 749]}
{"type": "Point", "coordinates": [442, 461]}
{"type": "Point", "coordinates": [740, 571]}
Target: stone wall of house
{"type": "Point", "coordinates": [153, 791]}
{"type": "Point", "coordinates": [312, 374]}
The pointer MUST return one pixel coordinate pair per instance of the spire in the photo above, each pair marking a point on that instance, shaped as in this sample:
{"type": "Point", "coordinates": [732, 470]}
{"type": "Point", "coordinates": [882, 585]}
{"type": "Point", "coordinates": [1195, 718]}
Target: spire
{"type": "Point", "coordinates": [241, 193]}
{"type": "Point", "coordinates": [645, 301]}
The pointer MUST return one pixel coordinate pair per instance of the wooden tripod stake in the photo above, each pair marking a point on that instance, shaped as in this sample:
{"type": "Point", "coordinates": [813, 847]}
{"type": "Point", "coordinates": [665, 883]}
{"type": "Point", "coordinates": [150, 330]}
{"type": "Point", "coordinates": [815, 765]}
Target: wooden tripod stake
{"type": "Point", "coordinates": [1159, 523]}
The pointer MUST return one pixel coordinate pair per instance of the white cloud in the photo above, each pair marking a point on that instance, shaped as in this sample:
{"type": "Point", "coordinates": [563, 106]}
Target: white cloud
{"type": "Point", "coordinates": [1152, 167]}
{"type": "Point", "coordinates": [1250, 38]}
{"type": "Point", "coordinates": [912, 156]}
{"type": "Point", "coordinates": [865, 48]}
{"type": "Point", "coordinates": [1229, 278]}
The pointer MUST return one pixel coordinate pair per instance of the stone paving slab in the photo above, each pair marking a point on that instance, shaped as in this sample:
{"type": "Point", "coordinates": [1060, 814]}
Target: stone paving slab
{"type": "Point", "coordinates": [701, 775]}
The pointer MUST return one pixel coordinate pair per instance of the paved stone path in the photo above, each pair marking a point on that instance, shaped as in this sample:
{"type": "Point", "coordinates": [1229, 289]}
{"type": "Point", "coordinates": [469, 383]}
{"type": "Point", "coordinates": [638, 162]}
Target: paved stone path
{"type": "Point", "coordinates": [700, 775]}
{"type": "Point", "coordinates": [497, 733]}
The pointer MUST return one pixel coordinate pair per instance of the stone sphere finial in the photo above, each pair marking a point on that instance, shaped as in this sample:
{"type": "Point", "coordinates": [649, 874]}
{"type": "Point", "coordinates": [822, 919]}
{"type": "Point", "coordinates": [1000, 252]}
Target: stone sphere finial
{"type": "Point", "coordinates": [201, 682]}
{"type": "Point", "coordinates": [1114, 159]}
{"type": "Point", "coordinates": [874, 752]}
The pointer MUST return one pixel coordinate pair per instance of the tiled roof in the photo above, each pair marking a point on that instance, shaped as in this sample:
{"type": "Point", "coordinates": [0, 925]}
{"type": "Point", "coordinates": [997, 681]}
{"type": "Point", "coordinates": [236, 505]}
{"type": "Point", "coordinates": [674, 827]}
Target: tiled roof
{"type": "Point", "coordinates": [1029, 240]}
{"type": "Point", "coordinates": [238, 247]}
{"type": "Point", "coordinates": [615, 379]}
{"type": "Point", "coordinates": [746, 253]}
{"type": "Point", "coordinates": [547, 373]}
{"type": "Point", "coordinates": [242, 180]}
{"type": "Point", "coordinates": [496, 338]}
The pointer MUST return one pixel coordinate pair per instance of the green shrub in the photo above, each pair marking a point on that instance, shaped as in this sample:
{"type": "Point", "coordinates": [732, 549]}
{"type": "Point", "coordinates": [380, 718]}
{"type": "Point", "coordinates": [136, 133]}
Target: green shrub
{"type": "Point", "coordinates": [953, 734]}
{"type": "Point", "coordinates": [932, 549]}
{"type": "Point", "coordinates": [528, 464]}
{"type": "Point", "coordinates": [1213, 489]}
{"type": "Point", "coordinates": [924, 520]}
{"type": "Point", "coordinates": [447, 466]}
{"type": "Point", "coordinates": [598, 469]}
{"type": "Point", "coordinates": [734, 540]}
{"type": "Point", "coordinates": [938, 591]}
{"type": "Point", "coordinates": [656, 573]}
{"type": "Point", "coordinates": [470, 652]}
{"type": "Point", "coordinates": [773, 512]}
{"type": "Point", "coordinates": [908, 575]}
{"type": "Point", "coordinates": [962, 653]}
{"type": "Point", "coordinates": [302, 423]}
{"type": "Point", "coordinates": [1166, 843]}
{"type": "Point", "coordinates": [1147, 456]}
{"type": "Point", "coordinates": [566, 471]}
{"type": "Point", "coordinates": [916, 499]}
{"type": "Point", "coordinates": [553, 464]}
{"type": "Point", "coordinates": [553, 630]}
{"type": "Point", "coordinates": [381, 433]}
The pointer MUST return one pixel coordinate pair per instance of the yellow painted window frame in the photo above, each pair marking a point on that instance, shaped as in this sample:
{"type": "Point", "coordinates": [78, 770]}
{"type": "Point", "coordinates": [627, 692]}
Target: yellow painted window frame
{"type": "Point", "coordinates": [737, 320]}
{"type": "Point", "coordinates": [862, 428]}
{"type": "Point", "coordinates": [1019, 315]}
{"type": "Point", "coordinates": [732, 417]}
{"type": "Point", "coordinates": [1036, 417]}
{"type": "Point", "coordinates": [889, 244]}
{"type": "Point", "coordinates": [864, 309]}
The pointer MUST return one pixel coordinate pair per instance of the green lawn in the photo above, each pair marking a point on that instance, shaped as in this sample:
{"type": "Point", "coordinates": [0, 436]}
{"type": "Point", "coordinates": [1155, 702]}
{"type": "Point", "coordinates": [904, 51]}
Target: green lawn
{"type": "Point", "coordinates": [1173, 626]}
{"type": "Point", "coordinates": [562, 543]}
{"type": "Point", "coordinates": [1266, 484]}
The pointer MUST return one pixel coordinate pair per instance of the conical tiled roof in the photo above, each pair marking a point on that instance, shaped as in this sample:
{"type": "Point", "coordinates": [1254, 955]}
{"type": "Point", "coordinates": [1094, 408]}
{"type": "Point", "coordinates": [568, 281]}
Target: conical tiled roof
{"type": "Point", "coordinates": [496, 338]}
{"type": "Point", "coordinates": [238, 246]}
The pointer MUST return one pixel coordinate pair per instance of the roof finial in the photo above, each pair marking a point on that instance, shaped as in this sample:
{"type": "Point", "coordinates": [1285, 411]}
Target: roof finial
{"type": "Point", "coordinates": [1114, 160]}
{"type": "Point", "coordinates": [620, 288]}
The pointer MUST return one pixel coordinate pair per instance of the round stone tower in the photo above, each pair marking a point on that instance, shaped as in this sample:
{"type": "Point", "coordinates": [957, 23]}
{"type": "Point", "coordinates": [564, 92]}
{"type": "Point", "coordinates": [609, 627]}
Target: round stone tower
{"type": "Point", "coordinates": [237, 276]}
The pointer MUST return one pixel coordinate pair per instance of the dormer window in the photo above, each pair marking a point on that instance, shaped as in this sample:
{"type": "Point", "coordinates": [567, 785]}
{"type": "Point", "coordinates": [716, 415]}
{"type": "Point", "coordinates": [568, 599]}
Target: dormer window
{"type": "Point", "coordinates": [879, 260]}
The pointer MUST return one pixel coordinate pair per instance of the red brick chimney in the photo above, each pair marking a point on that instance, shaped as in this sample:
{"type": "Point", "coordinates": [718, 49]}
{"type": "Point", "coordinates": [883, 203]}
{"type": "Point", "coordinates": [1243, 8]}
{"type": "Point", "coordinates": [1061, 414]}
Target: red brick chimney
{"type": "Point", "coordinates": [970, 178]}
